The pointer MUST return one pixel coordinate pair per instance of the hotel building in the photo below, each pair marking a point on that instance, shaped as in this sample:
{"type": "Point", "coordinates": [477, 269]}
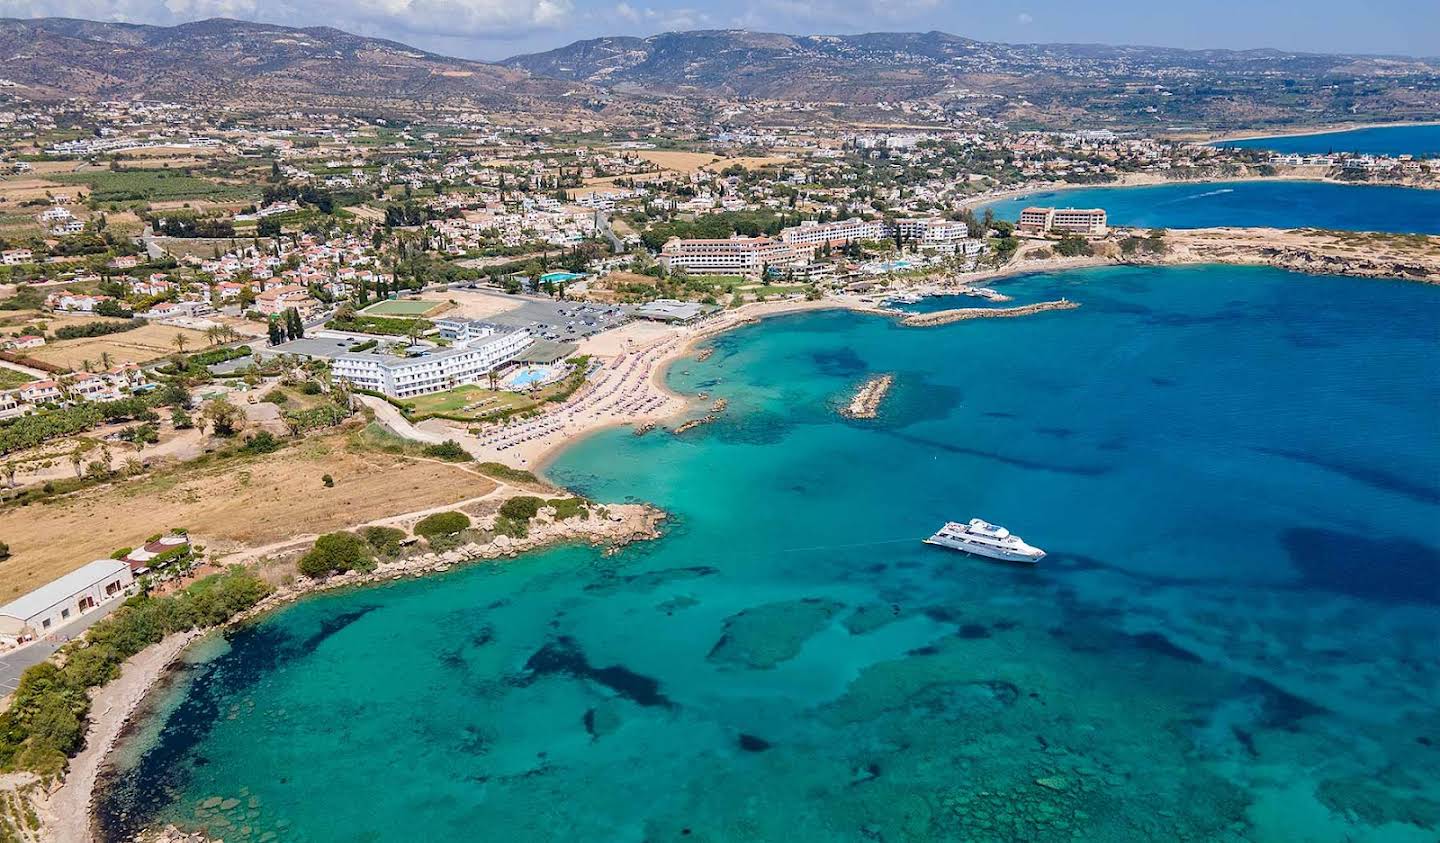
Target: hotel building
{"type": "Point", "coordinates": [431, 370]}
{"type": "Point", "coordinates": [735, 256]}
{"type": "Point", "coordinates": [1090, 221]}
{"type": "Point", "coordinates": [813, 233]}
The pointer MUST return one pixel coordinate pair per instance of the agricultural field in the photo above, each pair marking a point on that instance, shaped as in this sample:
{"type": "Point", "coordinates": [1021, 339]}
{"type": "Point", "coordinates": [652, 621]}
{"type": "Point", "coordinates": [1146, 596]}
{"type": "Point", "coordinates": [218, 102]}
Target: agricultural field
{"type": "Point", "coordinates": [10, 378]}
{"type": "Point", "coordinates": [151, 185]}
{"type": "Point", "coordinates": [401, 307]}
{"type": "Point", "coordinates": [138, 346]}
{"type": "Point", "coordinates": [284, 496]}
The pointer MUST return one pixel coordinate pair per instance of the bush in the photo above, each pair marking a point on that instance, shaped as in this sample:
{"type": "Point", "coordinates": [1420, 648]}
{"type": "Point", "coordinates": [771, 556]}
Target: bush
{"type": "Point", "coordinates": [263, 442]}
{"type": "Point", "coordinates": [510, 527]}
{"type": "Point", "coordinates": [521, 508]}
{"type": "Point", "coordinates": [1073, 245]}
{"type": "Point", "coordinates": [442, 524]}
{"type": "Point", "coordinates": [336, 553]}
{"type": "Point", "coordinates": [384, 540]}
{"type": "Point", "coordinates": [310, 388]}
{"type": "Point", "coordinates": [449, 450]}
{"type": "Point", "coordinates": [328, 481]}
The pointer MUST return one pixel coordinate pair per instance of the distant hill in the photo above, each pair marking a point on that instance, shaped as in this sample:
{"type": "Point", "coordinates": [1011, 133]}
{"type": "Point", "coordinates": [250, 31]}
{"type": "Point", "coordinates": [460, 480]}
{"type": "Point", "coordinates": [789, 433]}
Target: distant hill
{"type": "Point", "coordinates": [222, 60]}
{"type": "Point", "coordinates": [1213, 86]}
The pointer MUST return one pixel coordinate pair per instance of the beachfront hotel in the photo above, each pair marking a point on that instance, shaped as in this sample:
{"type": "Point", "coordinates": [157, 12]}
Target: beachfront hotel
{"type": "Point", "coordinates": [431, 370]}
{"type": "Point", "coordinates": [812, 233]}
{"type": "Point", "coordinates": [733, 256]}
{"type": "Point", "coordinates": [1090, 221]}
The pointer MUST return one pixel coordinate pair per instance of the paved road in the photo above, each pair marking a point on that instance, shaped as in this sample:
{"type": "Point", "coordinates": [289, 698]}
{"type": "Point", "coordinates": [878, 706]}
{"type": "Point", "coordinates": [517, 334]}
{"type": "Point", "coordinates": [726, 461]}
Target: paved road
{"type": "Point", "coordinates": [14, 664]}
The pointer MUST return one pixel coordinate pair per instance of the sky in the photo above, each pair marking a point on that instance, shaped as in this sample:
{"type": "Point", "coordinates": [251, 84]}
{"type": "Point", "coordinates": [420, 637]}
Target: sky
{"type": "Point", "coordinates": [494, 29]}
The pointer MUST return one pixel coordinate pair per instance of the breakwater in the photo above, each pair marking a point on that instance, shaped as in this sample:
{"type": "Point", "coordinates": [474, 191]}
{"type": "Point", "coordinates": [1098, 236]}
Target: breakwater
{"type": "Point", "coordinates": [945, 317]}
{"type": "Point", "coordinates": [865, 404]}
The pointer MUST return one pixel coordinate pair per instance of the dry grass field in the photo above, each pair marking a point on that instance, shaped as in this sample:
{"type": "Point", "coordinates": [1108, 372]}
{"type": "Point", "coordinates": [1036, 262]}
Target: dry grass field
{"type": "Point", "coordinates": [138, 346]}
{"type": "Point", "coordinates": [227, 504]}
{"type": "Point", "coordinates": [684, 162]}
{"type": "Point", "coordinates": [474, 304]}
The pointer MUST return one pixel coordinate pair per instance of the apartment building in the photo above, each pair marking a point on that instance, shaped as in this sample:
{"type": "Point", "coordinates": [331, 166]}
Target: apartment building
{"type": "Point", "coordinates": [431, 370]}
{"type": "Point", "coordinates": [735, 256]}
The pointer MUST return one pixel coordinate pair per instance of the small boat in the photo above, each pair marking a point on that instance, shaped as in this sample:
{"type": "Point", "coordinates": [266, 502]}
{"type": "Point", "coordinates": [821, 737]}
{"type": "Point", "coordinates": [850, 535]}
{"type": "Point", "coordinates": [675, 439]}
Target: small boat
{"type": "Point", "coordinates": [985, 539]}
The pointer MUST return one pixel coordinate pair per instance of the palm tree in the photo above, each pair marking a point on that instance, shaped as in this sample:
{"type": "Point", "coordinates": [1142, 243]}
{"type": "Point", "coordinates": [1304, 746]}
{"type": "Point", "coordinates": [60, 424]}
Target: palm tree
{"type": "Point", "coordinates": [10, 468]}
{"type": "Point", "coordinates": [77, 459]}
{"type": "Point", "coordinates": [105, 360]}
{"type": "Point", "coordinates": [180, 342]}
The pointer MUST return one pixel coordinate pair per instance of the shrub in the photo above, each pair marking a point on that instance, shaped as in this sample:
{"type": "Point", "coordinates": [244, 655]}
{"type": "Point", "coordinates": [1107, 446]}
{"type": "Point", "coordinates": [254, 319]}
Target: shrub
{"type": "Point", "coordinates": [5, 550]}
{"type": "Point", "coordinates": [328, 481]}
{"type": "Point", "coordinates": [449, 450]}
{"type": "Point", "coordinates": [337, 553]}
{"type": "Point", "coordinates": [521, 508]}
{"type": "Point", "coordinates": [263, 442]}
{"type": "Point", "coordinates": [310, 388]}
{"type": "Point", "coordinates": [510, 527]}
{"type": "Point", "coordinates": [276, 396]}
{"type": "Point", "coordinates": [384, 540]}
{"type": "Point", "coordinates": [442, 524]}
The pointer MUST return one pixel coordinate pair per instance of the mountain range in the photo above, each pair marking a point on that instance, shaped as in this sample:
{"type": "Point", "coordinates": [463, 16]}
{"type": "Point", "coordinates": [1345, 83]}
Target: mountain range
{"type": "Point", "coordinates": [229, 61]}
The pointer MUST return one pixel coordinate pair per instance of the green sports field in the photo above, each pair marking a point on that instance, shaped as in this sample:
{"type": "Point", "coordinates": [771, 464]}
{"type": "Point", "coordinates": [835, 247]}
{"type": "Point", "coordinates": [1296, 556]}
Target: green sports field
{"type": "Point", "coordinates": [400, 307]}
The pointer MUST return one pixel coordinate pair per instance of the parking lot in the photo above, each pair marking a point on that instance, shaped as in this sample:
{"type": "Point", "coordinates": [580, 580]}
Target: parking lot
{"type": "Point", "coordinates": [562, 320]}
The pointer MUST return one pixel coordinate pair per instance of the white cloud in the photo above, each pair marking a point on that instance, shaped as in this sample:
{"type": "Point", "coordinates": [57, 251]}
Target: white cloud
{"type": "Point", "coordinates": [1025, 18]}
{"type": "Point", "coordinates": [625, 11]}
{"type": "Point", "coordinates": [381, 18]}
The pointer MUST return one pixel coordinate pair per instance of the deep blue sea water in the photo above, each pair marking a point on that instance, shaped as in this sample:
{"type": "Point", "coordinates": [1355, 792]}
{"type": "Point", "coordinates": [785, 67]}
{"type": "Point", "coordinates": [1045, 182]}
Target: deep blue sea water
{"type": "Point", "coordinates": [1268, 204]}
{"type": "Point", "coordinates": [1420, 141]}
{"type": "Point", "coordinates": [1236, 472]}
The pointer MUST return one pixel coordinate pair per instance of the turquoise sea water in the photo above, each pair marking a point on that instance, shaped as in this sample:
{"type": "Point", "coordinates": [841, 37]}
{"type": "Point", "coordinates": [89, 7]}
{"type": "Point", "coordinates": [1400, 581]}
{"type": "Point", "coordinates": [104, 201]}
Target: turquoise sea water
{"type": "Point", "coordinates": [1420, 141]}
{"type": "Point", "coordinates": [1236, 472]}
{"type": "Point", "coordinates": [1269, 204]}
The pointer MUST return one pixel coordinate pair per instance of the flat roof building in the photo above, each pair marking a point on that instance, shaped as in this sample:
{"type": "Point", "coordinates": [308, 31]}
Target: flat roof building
{"type": "Point", "coordinates": [1036, 220]}
{"type": "Point", "coordinates": [733, 256]}
{"type": "Point", "coordinates": [670, 310]}
{"type": "Point", "coordinates": [430, 370]}
{"type": "Point", "coordinates": [61, 601]}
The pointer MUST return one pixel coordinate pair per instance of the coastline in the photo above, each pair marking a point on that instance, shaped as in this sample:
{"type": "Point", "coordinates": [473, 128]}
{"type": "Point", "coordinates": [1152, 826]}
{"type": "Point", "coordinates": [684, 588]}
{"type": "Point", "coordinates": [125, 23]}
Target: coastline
{"type": "Point", "coordinates": [117, 702]}
{"type": "Point", "coordinates": [67, 812]}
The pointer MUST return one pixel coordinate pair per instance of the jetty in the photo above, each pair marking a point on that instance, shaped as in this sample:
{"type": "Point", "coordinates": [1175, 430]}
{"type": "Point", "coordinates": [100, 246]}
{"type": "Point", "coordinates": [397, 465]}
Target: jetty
{"type": "Point", "coordinates": [945, 317]}
{"type": "Point", "coordinates": [865, 404]}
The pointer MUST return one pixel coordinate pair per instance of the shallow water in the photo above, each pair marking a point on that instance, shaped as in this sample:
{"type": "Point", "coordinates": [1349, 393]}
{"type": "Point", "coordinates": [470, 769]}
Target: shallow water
{"type": "Point", "coordinates": [1249, 204]}
{"type": "Point", "coordinates": [1236, 472]}
{"type": "Point", "coordinates": [1420, 141]}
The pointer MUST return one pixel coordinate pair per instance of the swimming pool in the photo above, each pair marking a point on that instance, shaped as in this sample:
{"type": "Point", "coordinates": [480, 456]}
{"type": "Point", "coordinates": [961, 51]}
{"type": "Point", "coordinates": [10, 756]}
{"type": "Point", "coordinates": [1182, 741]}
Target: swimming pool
{"type": "Point", "coordinates": [531, 376]}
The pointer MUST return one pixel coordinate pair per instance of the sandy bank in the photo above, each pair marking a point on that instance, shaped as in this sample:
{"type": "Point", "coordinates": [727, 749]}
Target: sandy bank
{"type": "Point", "coordinates": [66, 813]}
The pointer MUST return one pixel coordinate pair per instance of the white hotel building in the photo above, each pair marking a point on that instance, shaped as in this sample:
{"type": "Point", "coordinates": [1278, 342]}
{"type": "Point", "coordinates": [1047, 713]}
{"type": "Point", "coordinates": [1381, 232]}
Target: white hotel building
{"type": "Point", "coordinates": [843, 231]}
{"type": "Point", "coordinates": [432, 370]}
{"type": "Point", "coordinates": [734, 256]}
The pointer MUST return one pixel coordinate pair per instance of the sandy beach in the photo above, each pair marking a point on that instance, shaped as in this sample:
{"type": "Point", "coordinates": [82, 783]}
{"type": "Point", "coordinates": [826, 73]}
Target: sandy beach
{"type": "Point", "coordinates": [65, 814]}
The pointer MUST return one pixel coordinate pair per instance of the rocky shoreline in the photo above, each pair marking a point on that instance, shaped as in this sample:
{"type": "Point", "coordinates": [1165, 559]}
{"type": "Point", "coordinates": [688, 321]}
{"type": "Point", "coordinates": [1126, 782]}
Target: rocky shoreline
{"type": "Point", "coordinates": [65, 812]}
